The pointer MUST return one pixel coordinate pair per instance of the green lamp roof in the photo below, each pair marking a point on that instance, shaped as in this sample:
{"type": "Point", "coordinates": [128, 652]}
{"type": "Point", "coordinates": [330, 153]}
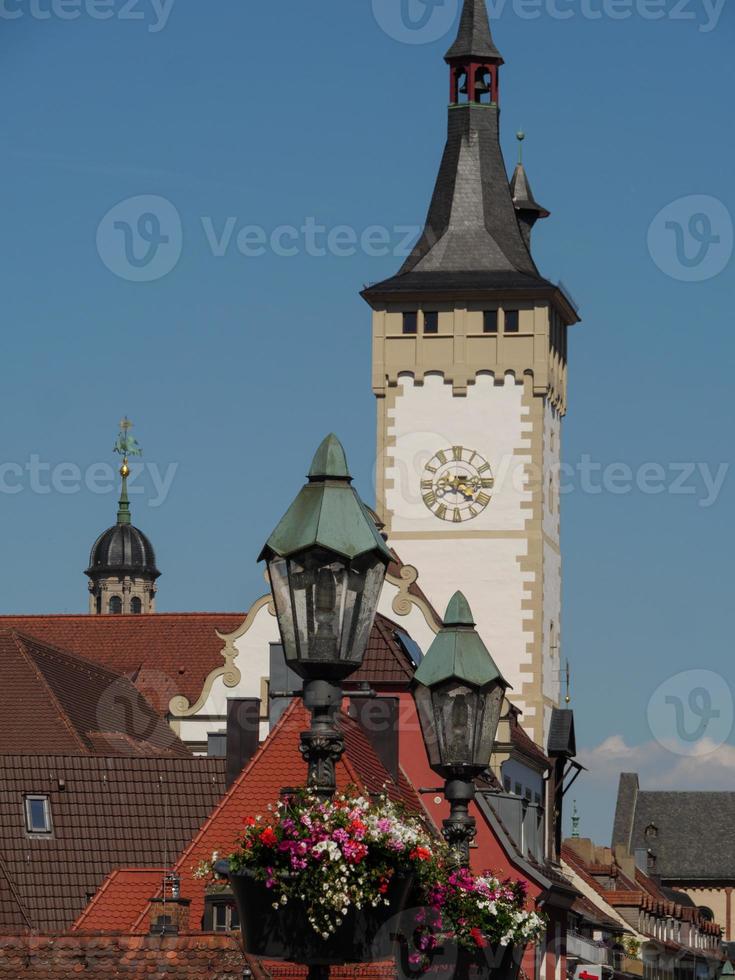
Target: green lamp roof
{"type": "Point", "coordinates": [327, 512]}
{"type": "Point", "coordinates": [458, 651]}
{"type": "Point", "coordinates": [728, 970]}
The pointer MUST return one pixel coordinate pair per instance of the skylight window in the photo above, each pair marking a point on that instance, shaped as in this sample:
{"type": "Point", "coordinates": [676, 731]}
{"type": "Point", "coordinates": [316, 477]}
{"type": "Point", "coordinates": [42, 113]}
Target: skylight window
{"type": "Point", "coordinates": [410, 646]}
{"type": "Point", "coordinates": [38, 815]}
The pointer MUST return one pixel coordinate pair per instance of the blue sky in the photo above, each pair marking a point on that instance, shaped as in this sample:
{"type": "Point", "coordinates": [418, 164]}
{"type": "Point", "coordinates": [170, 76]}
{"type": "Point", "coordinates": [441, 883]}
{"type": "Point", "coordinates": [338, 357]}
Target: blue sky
{"type": "Point", "coordinates": [234, 366]}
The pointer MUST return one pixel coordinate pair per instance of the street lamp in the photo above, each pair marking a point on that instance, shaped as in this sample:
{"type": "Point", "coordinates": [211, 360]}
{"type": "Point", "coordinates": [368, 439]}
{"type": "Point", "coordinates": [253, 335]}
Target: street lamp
{"type": "Point", "coordinates": [326, 563]}
{"type": "Point", "coordinates": [459, 694]}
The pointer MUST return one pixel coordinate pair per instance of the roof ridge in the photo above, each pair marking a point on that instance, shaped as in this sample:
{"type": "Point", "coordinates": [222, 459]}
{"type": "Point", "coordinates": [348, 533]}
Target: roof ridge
{"type": "Point", "coordinates": [18, 640]}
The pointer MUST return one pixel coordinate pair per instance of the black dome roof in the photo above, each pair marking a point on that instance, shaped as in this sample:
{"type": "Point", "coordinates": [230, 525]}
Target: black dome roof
{"type": "Point", "coordinates": [123, 548]}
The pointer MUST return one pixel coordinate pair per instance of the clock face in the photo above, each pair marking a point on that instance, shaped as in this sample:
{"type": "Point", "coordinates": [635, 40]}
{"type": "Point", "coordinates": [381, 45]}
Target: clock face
{"type": "Point", "coordinates": [456, 484]}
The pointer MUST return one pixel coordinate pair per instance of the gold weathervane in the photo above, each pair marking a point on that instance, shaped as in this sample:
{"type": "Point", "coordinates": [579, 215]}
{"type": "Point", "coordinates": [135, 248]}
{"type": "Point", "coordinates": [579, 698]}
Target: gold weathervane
{"type": "Point", "coordinates": [126, 445]}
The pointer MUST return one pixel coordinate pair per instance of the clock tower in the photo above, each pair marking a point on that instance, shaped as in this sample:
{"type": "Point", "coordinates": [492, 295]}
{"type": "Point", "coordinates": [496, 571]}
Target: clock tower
{"type": "Point", "coordinates": [470, 375]}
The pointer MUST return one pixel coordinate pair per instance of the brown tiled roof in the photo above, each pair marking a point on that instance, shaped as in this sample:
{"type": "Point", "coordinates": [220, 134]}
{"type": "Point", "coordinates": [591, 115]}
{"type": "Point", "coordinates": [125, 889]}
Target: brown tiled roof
{"type": "Point", "coordinates": [386, 663]}
{"type": "Point", "coordinates": [164, 653]}
{"type": "Point", "coordinates": [524, 743]}
{"type": "Point", "coordinates": [278, 764]}
{"type": "Point", "coordinates": [106, 812]}
{"type": "Point", "coordinates": [52, 701]}
{"type": "Point", "coordinates": [106, 958]}
{"type": "Point", "coordinates": [117, 904]}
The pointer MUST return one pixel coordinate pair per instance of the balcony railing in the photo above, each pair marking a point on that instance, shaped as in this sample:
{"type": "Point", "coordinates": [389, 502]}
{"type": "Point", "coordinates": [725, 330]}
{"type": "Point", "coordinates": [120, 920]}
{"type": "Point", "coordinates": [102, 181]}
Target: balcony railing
{"type": "Point", "coordinates": [589, 951]}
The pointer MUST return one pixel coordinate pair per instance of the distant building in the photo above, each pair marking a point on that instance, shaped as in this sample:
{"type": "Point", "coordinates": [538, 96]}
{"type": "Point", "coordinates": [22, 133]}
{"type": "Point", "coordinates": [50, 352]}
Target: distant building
{"type": "Point", "coordinates": [661, 934]}
{"type": "Point", "coordinates": [686, 839]}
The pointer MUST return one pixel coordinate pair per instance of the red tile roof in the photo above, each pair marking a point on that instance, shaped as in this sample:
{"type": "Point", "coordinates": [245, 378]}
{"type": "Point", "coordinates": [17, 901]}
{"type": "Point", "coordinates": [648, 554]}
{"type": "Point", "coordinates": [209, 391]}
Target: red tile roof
{"type": "Point", "coordinates": [117, 904]}
{"type": "Point", "coordinates": [164, 653]}
{"type": "Point", "coordinates": [386, 663]}
{"type": "Point", "coordinates": [278, 764]}
{"type": "Point", "coordinates": [52, 701]}
{"type": "Point", "coordinates": [121, 958]}
{"type": "Point", "coordinates": [105, 813]}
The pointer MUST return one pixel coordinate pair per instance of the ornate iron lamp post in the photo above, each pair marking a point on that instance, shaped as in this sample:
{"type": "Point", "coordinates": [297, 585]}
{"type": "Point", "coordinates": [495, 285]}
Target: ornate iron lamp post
{"type": "Point", "coordinates": [459, 694]}
{"type": "Point", "coordinates": [326, 563]}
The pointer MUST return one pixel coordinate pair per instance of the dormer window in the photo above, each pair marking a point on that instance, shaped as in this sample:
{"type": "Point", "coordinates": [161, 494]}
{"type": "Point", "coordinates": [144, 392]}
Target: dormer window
{"type": "Point", "coordinates": [410, 322]}
{"type": "Point", "coordinates": [38, 815]}
{"type": "Point", "coordinates": [431, 321]}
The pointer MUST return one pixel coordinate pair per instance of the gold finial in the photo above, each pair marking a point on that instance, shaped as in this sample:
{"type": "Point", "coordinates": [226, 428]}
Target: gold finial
{"type": "Point", "coordinates": [125, 469]}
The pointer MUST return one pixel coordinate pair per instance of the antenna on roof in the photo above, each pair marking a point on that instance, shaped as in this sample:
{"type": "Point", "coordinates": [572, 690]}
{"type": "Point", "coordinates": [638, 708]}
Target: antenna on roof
{"type": "Point", "coordinates": [568, 677]}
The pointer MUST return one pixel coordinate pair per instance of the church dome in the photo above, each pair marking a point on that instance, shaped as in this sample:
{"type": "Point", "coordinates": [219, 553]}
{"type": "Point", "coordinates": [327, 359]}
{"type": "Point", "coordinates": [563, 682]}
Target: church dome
{"type": "Point", "coordinates": [123, 549]}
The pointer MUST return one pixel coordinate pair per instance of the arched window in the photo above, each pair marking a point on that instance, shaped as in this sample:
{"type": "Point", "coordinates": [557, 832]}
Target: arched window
{"type": "Point", "coordinates": [115, 605]}
{"type": "Point", "coordinates": [136, 606]}
{"type": "Point", "coordinates": [463, 92]}
{"type": "Point", "coordinates": [706, 913]}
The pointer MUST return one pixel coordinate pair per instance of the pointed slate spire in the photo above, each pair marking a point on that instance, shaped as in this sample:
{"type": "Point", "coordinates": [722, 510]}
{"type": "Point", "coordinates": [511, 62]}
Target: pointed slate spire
{"type": "Point", "coordinates": [474, 39]}
{"type": "Point", "coordinates": [528, 209]}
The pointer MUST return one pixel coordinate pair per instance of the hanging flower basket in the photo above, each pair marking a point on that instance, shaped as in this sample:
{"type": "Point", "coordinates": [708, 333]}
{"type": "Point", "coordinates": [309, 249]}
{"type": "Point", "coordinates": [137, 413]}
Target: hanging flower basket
{"type": "Point", "coordinates": [320, 881]}
{"type": "Point", "coordinates": [286, 933]}
{"type": "Point", "coordinates": [328, 882]}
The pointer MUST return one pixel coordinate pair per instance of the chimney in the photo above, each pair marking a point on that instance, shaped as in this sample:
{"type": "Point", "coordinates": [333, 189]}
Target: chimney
{"type": "Point", "coordinates": [243, 734]}
{"type": "Point", "coordinates": [378, 718]}
{"type": "Point", "coordinates": [169, 914]}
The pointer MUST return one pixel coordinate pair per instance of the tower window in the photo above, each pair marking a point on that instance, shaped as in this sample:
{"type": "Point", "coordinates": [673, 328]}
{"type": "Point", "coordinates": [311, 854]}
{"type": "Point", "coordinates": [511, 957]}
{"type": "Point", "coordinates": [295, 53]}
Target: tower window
{"type": "Point", "coordinates": [490, 321]}
{"type": "Point", "coordinates": [431, 321]}
{"type": "Point", "coordinates": [38, 815]}
{"type": "Point", "coordinates": [410, 322]}
{"type": "Point", "coordinates": [511, 321]}
{"type": "Point", "coordinates": [136, 606]}
{"type": "Point", "coordinates": [115, 605]}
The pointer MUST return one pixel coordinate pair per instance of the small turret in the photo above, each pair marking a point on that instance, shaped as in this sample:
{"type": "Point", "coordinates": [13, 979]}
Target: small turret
{"type": "Point", "coordinates": [529, 211]}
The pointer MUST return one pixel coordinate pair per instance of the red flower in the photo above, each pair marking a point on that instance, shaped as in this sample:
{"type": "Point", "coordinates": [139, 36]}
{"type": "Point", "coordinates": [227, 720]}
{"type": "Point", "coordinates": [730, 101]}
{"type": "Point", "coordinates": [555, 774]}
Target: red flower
{"type": "Point", "coordinates": [478, 937]}
{"type": "Point", "coordinates": [268, 837]}
{"type": "Point", "coordinates": [420, 854]}
{"type": "Point", "coordinates": [249, 821]}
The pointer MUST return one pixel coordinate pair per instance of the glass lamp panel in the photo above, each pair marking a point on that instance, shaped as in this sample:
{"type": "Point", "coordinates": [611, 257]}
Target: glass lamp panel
{"type": "Point", "coordinates": [456, 706]}
{"type": "Point", "coordinates": [325, 607]}
{"type": "Point", "coordinates": [278, 572]}
{"type": "Point", "coordinates": [427, 719]}
{"type": "Point", "coordinates": [487, 722]}
{"type": "Point", "coordinates": [364, 583]}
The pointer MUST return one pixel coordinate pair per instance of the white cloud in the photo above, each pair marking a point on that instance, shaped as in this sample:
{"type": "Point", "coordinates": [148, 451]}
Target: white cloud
{"type": "Point", "coordinates": [713, 768]}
